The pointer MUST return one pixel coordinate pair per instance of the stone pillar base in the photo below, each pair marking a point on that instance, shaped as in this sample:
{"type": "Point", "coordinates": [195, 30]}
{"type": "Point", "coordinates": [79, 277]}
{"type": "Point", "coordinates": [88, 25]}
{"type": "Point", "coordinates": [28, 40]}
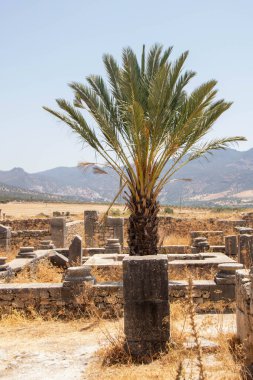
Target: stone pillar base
{"type": "Point", "coordinates": [146, 305]}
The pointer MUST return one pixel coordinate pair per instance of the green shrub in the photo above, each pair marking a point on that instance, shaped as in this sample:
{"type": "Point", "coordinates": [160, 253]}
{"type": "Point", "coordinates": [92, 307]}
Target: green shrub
{"type": "Point", "coordinates": [115, 212]}
{"type": "Point", "coordinates": [168, 210]}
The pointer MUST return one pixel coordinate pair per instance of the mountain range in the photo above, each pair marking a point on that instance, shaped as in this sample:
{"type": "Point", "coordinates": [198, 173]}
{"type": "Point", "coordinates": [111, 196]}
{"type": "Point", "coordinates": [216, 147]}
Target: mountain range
{"type": "Point", "coordinates": [226, 178]}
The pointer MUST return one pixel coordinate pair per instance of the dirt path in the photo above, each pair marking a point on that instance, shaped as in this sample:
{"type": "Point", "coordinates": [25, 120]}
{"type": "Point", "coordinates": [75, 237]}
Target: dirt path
{"type": "Point", "coordinates": [47, 350]}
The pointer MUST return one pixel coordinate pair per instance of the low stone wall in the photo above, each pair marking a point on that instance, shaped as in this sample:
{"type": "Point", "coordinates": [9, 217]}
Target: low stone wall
{"type": "Point", "coordinates": [177, 249]}
{"type": "Point", "coordinates": [97, 233]}
{"type": "Point", "coordinates": [28, 238]}
{"type": "Point", "coordinates": [57, 299]}
{"type": "Point", "coordinates": [170, 225]}
{"type": "Point", "coordinates": [107, 297]}
{"type": "Point", "coordinates": [27, 224]}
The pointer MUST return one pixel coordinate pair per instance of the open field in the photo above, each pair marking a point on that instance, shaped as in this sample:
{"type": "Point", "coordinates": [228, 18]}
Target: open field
{"type": "Point", "coordinates": [30, 209]}
{"type": "Point", "coordinates": [33, 209]}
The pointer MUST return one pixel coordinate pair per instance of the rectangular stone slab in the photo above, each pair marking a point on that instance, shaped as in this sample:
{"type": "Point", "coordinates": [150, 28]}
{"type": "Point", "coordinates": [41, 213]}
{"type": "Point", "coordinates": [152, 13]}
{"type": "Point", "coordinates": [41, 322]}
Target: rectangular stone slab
{"type": "Point", "coordinates": [145, 278]}
{"type": "Point", "coordinates": [146, 305]}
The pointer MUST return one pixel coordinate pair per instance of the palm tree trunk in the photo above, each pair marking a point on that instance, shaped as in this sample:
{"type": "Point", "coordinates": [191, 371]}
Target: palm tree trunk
{"type": "Point", "coordinates": [143, 228]}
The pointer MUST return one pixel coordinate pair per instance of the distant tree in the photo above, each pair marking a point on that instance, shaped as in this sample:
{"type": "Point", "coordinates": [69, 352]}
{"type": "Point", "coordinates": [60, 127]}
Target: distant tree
{"type": "Point", "coordinates": [146, 127]}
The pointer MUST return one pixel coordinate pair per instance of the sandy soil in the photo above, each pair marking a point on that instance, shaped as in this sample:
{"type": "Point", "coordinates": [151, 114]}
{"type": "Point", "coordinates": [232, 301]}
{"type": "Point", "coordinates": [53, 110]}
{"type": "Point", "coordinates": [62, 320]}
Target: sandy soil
{"type": "Point", "coordinates": [47, 350]}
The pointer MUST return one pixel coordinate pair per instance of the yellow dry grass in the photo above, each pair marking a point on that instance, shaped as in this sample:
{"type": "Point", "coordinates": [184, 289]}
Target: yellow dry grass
{"type": "Point", "coordinates": [33, 209]}
{"type": "Point", "coordinates": [195, 273]}
{"type": "Point", "coordinates": [175, 239]}
{"type": "Point", "coordinates": [43, 271]}
{"type": "Point", "coordinates": [11, 254]}
{"type": "Point", "coordinates": [110, 274]}
{"type": "Point", "coordinates": [223, 361]}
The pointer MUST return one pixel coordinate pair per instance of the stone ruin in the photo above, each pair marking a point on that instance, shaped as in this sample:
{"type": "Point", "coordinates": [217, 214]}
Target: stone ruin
{"type": "Point", "coordinates": [80, 246]}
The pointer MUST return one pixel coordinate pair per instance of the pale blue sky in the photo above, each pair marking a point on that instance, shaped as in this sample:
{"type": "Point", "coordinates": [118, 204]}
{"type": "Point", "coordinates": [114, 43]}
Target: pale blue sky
{"type": "Point", "coordinates": [47, 43]}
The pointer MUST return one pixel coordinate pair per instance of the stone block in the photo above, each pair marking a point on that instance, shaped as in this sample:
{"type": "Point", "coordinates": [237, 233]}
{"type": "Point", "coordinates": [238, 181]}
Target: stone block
{"type": "Point", "coordinates": [78, 274]}
{"type": "Point", "coordinates": [118, 228]}
{"type": "Point", "coordinates": [245, 252]}
{"type": "Point", "coordinates": [58, 231]}
{"type": "Point", "coordinates": [231, 247]}
{"type": "Point", "coordinates": [75, 251]}
{"type": "Point", "coordinates": [113, 246]}
{"type": "Point", "coordinates": [5, 237]}
{"type": "Point", "coordinates": [146, 307]}
{"type": "Point", "coordinates": [90, 223]}
{"type": "Point", "coordinates": [58, 260]}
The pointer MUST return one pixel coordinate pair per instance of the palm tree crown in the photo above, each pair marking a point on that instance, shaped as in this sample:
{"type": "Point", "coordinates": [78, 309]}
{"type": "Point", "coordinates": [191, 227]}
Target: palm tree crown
{"type": "Point", "coordinates": [146, 127]}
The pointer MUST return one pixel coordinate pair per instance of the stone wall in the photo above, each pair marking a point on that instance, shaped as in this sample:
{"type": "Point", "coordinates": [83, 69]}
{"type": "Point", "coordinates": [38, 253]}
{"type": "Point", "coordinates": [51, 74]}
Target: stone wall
{"type": "Point", "coordinates": [97, 232]}
{"type": "Point", "coordinates": [62, 232]}
{"type": "Point", "coordinates": [27, 224]}
{"type": "Point", "coordinates": [28, 238]}
{"type": "Point", "coordinates": [183, 226]}
{"type": "Point", "coordinates": [107, 297]}
{"type": "Point", "coordinates": [244, 312]}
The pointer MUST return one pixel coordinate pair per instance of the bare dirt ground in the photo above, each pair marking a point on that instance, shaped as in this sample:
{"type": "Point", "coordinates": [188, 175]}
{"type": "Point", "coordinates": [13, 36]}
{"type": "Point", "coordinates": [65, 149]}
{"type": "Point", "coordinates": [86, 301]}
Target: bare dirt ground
{"type": "Point", "coordinates": [39, 350]}
{"type": "Point", "coordinates": [33, 209]}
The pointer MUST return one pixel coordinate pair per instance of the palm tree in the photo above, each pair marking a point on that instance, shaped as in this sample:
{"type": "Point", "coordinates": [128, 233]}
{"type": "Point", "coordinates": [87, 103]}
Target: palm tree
{"type": "Point", "coordinates": [146, 127]}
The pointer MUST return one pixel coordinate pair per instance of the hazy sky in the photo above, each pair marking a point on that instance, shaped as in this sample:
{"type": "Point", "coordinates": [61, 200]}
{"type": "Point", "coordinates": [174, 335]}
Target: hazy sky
{"type": "Point", "coordinates": [45, 44]}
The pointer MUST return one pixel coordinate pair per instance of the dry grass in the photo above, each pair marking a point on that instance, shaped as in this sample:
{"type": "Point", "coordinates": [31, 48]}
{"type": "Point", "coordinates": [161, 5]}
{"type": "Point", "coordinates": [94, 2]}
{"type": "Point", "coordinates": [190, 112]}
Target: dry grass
{"type": "Point", "coordinates": [175, 239]}
{"type": "Point", "coordinates": [195, 273]}
{"type": "Point", "coordinates": [31, 209]}
{"type": "Point", "coordinates": [11, 254]}
{"type": "Point", "coordinates": [113, 273]}
{"type": "Point", "coordinates": [42, 271]}
{"type": "Point", "coordinates": [223, 361]}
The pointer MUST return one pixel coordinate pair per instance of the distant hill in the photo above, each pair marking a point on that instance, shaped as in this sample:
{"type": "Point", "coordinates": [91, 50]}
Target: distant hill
{"type": "Point", "coordinates": [8, 192]}
{"type": "Point", "coordinates": [225, 179]}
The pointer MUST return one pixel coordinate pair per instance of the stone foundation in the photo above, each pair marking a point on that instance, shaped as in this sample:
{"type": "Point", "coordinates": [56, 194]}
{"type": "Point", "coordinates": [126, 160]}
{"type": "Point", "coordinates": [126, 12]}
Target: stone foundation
{"type": "Point", "coordinates": [244, 312]}
{"type": "Point", "coordinates": [107, 297]}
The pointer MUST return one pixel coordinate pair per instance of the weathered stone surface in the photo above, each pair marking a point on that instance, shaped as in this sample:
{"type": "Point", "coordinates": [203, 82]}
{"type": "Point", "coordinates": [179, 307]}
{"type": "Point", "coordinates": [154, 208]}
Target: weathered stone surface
{"type": "Point", "coordinates": [245, 254]}
{"type": "Point", "coordinates": [58, 231]}
{"type": "Point", "coordinates": [214, 237]}
{"type": "Point", "coordinates": [80, 273]}
{"type": "Point", "coordinates": [244, 230]}
{"type": "Point", "coordinates": [90, 251]}
{"type": "Point", "coordinates": [226, 273]}
{"type": "Point", "coordinates": [3, 260]}
{"type": "Point", "coordinates": [5, 232]}
{"type": "Point", "coordinates": [90, 222]}
{"type": "Point", "coordinates": [5, 237]}
{"type": "Point", "coordinates": [230, 267]}
{"type": "Point", "coordinates": [26, 249]}
{"type": "Point", "coordinates": [146, 307]}
{"type": "Point", "coordinates": [58, 260]}
{"type": "Point", "coordinates": [75, 251]}
{"type": "Point", "coordinates": [231, 247]}
{"type": "Point", "coordinates": [244, 312]}
{"type": "Point", "coordinates": [113, 246]}
{"type": "Point", "coordinates": [118, 228]}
